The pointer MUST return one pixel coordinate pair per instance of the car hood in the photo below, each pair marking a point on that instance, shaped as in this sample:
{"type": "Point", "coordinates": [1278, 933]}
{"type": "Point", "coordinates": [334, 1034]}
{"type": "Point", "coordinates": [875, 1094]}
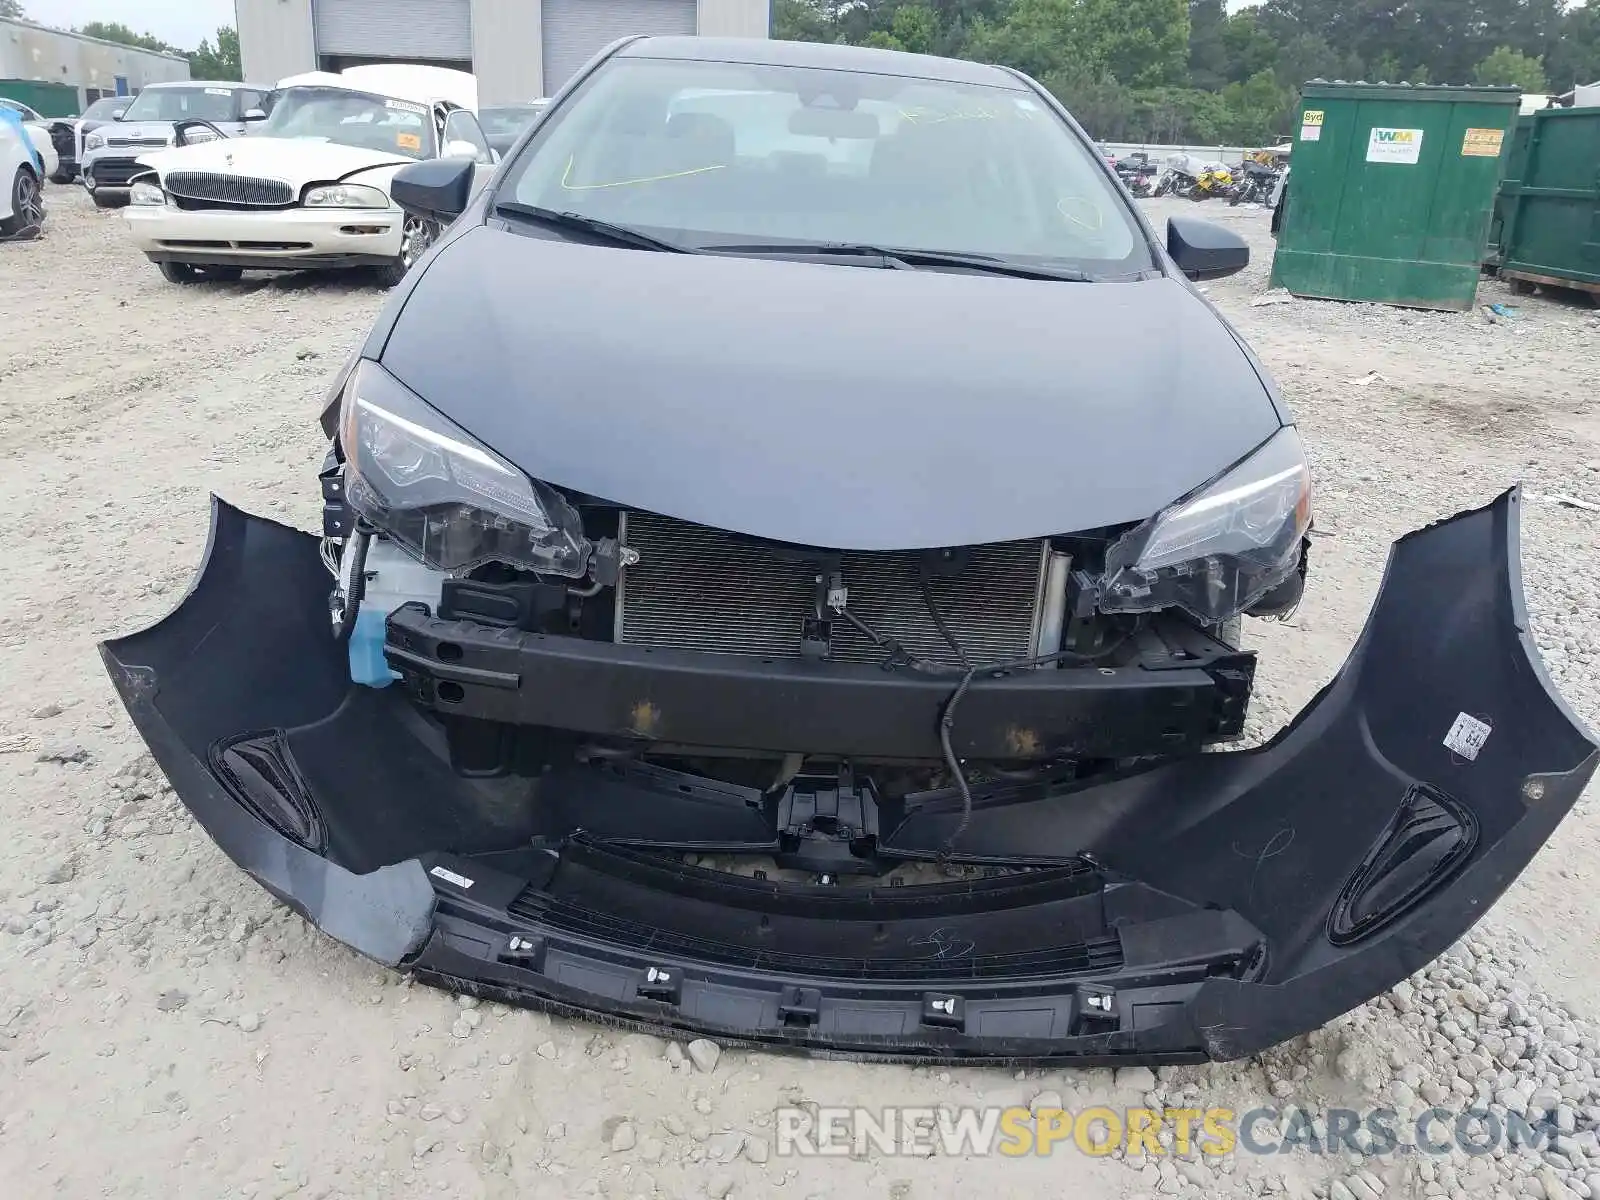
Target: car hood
{"type": "Point", "coordinates": [297, 161]}
{"type": "Point", "coordinates": [825, 405]}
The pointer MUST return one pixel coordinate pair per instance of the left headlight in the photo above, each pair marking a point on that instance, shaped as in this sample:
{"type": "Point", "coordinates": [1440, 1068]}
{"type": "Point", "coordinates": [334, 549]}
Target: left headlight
{"type": "Point", "coordinates": [94, 141]}
{"type": "Point", "coordinates": [145, 192]}
{"type": "Point", "coordinates": [1224, 548]}
{"type": "Point", "coordinates": [345, 195]}
{"type": "Point", "coordinates": [442, 494]}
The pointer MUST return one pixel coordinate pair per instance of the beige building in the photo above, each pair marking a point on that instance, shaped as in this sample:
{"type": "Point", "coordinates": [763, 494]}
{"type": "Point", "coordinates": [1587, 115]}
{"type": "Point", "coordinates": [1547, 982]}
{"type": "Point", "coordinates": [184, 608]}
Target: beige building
{"type": "Point", "coordinates": [519, 49]}
{"type": "Point", "coordinates": [35, 55]}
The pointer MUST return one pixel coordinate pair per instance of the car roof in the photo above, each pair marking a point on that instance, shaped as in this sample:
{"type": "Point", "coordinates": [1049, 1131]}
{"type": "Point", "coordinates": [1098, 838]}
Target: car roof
{"type": "Point", "coordinates": [166, 84]}
{"type": "Point", "coordinates": [412, 81]}
{"type": "Point", "coordinates": [401, 83]}
{"type": "Point", "coordinates": [820, 55]}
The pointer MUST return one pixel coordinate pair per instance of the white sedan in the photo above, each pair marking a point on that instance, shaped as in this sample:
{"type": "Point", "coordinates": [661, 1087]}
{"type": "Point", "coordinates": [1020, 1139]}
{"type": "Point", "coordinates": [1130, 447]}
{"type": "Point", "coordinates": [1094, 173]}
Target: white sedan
{"type": "Point", "coordinates": [309, 191]}
{"type": "Point", "coordinates": [38, 133]}
{"type": "Point", "coordinates": [21, 198]}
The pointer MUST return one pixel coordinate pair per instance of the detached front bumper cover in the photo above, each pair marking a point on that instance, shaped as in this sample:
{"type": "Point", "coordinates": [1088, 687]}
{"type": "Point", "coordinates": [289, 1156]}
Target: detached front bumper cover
{"type": "Point", "coordinates": [1208, 908]}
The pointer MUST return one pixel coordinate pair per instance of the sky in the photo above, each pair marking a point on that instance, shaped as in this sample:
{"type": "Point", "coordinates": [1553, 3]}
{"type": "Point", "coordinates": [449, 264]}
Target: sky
{"type": "Point", "coordinates": [181, 23]}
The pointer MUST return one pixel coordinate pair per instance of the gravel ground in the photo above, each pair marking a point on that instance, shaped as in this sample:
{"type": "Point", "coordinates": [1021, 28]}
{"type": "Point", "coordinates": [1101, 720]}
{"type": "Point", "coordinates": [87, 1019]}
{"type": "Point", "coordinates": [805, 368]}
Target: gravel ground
{"type": "Point", "coordinates": [166, 1029]}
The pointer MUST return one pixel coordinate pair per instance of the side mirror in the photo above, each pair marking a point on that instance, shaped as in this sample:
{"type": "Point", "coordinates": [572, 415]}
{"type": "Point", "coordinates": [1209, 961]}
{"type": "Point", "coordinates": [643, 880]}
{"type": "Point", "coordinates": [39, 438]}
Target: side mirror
{"type": "Point", "coordinates": [117, 113]}
{"type": "Point", "coordinates": [460, 148]}
{"type": "Point", "coordinates": [1202, 250]}
{"type": "Point", "coordinates": [494, 155]}
{"type": "Point", "coordinates": [254, 114]}
{"type": "Point", "coordinates": [437, 189]}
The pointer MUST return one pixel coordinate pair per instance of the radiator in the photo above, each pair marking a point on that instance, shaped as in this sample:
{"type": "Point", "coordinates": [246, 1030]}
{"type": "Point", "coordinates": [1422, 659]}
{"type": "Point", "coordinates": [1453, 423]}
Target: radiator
{"type": "Point", "coordinates": [697, 588]}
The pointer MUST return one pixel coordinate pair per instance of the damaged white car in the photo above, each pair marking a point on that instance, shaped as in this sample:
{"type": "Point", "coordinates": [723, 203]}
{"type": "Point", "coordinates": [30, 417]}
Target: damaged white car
{"type": "Point", "coordinates": [310, 189]}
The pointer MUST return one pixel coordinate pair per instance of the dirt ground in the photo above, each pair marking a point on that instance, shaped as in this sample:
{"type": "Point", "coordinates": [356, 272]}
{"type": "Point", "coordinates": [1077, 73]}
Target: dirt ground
{"type": "Point", "coordinates": [166, 1029]}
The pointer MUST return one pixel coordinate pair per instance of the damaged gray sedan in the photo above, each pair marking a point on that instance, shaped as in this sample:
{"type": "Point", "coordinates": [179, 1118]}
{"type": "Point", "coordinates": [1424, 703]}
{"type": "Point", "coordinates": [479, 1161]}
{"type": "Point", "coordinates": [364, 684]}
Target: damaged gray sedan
{"type": "Point", "coordinates": [783, 557]}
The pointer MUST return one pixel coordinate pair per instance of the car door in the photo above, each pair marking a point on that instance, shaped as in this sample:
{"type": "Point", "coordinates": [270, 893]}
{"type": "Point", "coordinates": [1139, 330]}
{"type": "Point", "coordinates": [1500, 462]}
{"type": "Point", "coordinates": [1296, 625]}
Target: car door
{"type": "Point", "coordinates": [461, 131]}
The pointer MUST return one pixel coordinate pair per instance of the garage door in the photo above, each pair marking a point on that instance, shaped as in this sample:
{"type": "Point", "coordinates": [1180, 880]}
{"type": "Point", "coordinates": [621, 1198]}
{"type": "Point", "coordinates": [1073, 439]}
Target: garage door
{"type": "Point", "coordinates": [575, 29]}
{"type": "Point", "coordinates": [406, 29]}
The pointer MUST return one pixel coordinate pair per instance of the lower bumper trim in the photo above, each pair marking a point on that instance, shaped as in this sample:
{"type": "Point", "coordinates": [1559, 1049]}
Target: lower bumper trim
{"type": "Point", "coordinates": [268, 262]}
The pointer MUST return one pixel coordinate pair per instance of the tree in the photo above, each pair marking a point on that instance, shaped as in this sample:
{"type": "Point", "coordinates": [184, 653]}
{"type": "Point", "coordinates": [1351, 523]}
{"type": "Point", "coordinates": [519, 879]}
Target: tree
{"type": "Point", "coordinates": [219, 63]}
{"type": "Point", "coordinates": [1511, 68]}
{"type": "Point", "coordinates": [1309, 56]}
{"type": "Point", "coordinates": [1250, 49]}
{"type": "Point", "coordinates": [801, 21]}
{"type": "Point", "coordinates": [112, 31]}
{"type": "Point", "coordinates": [1575, 58]}
{"type": "Point", "coordinates": [1102, 105]}
{"type": "Point", "coordinates": [1208, 48]}
{"type": "Point", "coordinates": [12, 9]}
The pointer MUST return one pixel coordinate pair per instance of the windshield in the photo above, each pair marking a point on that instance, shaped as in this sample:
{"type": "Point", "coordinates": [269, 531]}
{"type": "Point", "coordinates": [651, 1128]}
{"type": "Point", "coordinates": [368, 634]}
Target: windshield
{"type": "Point", "coordinates": [708, 153]}
{"type": "Point", "coordinates": [362, 119]}
{"type": "Point", "coordinates": [102, 108]}
{"type": "Point", "coordinates": [180, 104]}
{"type": "Point", "coordinates": [507, 120]}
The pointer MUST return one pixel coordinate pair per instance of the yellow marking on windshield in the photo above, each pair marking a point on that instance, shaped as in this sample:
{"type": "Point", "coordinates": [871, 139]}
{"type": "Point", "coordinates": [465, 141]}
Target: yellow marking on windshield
{"type": "Point", "coordinates": [1099, 220]}
{"type": "Point", "coordinates": [568, 186]}
{"type": "Point", "coordinates": [408, 141]}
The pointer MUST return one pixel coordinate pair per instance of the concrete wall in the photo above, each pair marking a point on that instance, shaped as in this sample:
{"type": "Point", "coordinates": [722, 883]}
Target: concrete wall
{"type": "Point", "coordinates": [275, 39]}
{"type": "Point", "coordinates": [735, 18]}
{"type": "Point", "coordinates": [507, 50]}
{"type": "Point", "coordinates": [1160, 154]}
{"type": "Point", "coordinates": [29, 51]}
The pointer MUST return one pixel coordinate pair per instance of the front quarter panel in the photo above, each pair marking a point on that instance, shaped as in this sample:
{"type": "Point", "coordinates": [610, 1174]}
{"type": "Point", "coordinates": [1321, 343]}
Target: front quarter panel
{"type": "Point", "coordinates": [463, 226]}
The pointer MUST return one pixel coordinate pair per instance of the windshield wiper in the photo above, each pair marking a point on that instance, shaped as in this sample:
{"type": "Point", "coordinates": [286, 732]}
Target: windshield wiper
{"type": "Point", "coordinates": [903, 259]}
{"type": "Point", "coordinates": [620, 234]}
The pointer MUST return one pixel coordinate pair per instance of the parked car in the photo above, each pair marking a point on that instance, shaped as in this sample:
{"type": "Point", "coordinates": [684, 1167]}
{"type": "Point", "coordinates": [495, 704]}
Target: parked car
{"type": "Point", "coordinates": [853, 522]}
{"type": "Point", "coordinates": [111, 151]}
{"type": "Point", "coordinates": [68, 133]}
{"type": "Point", "coordinates": [38, 131]}
{"type": "Point", "coordinates": [21, 186]}
{"type": "Point", "coordinates": [309, 188]}
{"type": "Point", "coordinates": [503, 124]}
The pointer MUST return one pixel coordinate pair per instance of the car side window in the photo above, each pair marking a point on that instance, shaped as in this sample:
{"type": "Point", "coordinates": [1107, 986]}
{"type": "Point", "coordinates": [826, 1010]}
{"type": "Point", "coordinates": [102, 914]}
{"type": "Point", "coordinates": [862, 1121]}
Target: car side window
{"type": "Point", "coordinates": [462, 126]}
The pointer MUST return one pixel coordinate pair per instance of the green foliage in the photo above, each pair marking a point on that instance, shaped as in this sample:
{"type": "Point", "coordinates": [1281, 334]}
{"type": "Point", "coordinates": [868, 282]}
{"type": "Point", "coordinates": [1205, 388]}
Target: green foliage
{"type": "Point", "coordinates": [12, 9]}
{"type": "Point", "coordinates": [113, 31]}
{"type": "Point", "coordinates": [1511, 68]}
{"type": "Point", "coordinates": [219, 62]}
{"type": "Point", "coordinates": [1189, 71]}
{"type": "Point", "coordinates": [1575, 57]}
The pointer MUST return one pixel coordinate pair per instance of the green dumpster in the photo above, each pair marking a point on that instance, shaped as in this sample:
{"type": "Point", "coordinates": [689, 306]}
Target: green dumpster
{"type": "Point", "coordinates": [1552, 219]}
{"type": "Point", "coordinates": [45, 98]}
{"type": "Point", "coordinates": [1516, 163]}
{"type": "Point", "coordinates": [1393, 190]}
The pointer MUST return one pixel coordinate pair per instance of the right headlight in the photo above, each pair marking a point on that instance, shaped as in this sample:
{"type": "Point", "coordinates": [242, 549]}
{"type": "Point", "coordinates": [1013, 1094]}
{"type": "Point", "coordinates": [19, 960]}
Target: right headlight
{"type": "Point", "coordinates": [1221, 550]}
{"type": "Point", "coordinates": [345, 195]}
{"type": "Point", "coordinates": [444, 495]}
{"type": "Point", "coordinates": [94, 141]}
{"type": "Point", "coordinates": [144, 191]}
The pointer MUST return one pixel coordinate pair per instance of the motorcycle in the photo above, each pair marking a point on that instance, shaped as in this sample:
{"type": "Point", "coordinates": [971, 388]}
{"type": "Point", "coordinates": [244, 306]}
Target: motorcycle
{"type": "Point", "coordinates": [1257, 186]}
{"type": "Point", "coordinates": [1215, 180]}
{"type": "Point", "coordinates": [1176, 180]}
{"type": "Point", "coordinates": [1137, 173]}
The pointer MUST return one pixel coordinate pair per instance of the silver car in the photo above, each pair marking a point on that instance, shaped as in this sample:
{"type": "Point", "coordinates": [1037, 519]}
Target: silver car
{"type": "Point", "coordinates": [111, 152]}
